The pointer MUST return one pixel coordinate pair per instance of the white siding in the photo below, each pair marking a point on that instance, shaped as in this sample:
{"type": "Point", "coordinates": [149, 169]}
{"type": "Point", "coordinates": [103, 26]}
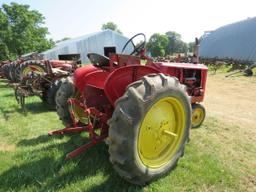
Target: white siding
{"type": "Point", "coordinates": [89, 43]}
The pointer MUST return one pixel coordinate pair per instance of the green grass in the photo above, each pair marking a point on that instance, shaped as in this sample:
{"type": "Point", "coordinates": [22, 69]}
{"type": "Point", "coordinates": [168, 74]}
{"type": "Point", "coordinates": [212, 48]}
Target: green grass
{"type": "Point", "coordinates": [30, 160]}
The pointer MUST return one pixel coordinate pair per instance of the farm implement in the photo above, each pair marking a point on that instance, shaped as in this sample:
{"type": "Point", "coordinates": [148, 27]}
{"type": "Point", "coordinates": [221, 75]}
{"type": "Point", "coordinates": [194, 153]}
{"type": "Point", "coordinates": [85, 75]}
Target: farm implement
{"type": "Point", "coordinates": [248, 71]}
{"type": "Point", "coordinates": [10, 70]}
{"type": "Point", "coordinates": [42, 78]}
{"type": "Point", "coordinates": [31, 75]}
{"type": "Point", "coordinates": [143, 111]}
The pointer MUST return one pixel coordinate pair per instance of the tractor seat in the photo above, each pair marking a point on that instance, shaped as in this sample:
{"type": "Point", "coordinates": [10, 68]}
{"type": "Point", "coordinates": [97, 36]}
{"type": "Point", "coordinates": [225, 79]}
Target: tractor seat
{"type": "Point", "coordinates": [98, 60]}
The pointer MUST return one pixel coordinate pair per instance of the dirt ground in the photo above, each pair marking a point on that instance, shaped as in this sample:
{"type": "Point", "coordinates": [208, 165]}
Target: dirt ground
{"type": "Point", "coordinates": [232, 99]}
{"type": "Point", "coordinates": [232, 102]}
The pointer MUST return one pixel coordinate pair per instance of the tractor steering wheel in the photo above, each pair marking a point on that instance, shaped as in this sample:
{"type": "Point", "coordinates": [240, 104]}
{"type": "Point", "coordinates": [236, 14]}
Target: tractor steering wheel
{"type": "Point", "coordinates": [136, 48]}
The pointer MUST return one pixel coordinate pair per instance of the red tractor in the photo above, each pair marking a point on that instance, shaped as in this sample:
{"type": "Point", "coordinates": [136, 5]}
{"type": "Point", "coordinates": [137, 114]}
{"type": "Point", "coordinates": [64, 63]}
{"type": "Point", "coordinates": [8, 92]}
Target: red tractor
{"type": "Point", "coordinates": [144, 111]}
{"type": "Point", "coordinates": [11, 69]}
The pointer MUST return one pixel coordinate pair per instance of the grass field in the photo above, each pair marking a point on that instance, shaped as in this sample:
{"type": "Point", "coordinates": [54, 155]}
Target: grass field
{"type": "Point", "coordinates": [221, 154]}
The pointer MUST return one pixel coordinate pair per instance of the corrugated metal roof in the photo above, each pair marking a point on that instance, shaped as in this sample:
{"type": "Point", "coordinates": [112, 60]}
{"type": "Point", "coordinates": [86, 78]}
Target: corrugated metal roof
{"type": "Point", "coordinates": [236, 41]}
{"type": "Point", "coordinates": [77, 38]}
{"type": "Point", "coordinates": [93, 42]}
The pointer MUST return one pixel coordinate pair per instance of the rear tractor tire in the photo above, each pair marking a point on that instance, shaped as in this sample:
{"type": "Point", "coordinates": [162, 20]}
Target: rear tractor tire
{"type": "Point", "coordinates": [149, 128]}
{"type": "Point", "coordinates": [66, 91]}
{"type": "Point", "coordinates": [198, 115]}
{"type": "Point", "coordinates": [6, 70]}
{"type": "Point", "coordinates": [12, 72]}
{"type": "Point", "coordinates": [17, 73]}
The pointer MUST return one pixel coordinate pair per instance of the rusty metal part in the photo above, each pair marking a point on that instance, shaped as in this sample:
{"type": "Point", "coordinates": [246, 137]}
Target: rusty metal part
{"type": "Point", "coordinates": [21, 92]}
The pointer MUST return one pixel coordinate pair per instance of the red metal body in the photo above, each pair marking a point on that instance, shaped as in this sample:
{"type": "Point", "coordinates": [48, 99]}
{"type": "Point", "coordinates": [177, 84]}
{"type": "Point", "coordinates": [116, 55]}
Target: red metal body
{"type": "Point", "coordinates": [113, 80]}
{"type": "Point", "coordinates": [192, 75]}
{"type": "Point", "coordinates": [64, 65]}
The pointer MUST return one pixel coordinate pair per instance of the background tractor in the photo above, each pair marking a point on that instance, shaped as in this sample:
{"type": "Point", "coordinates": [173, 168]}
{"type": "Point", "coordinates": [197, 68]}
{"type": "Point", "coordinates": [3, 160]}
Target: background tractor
{"type": "Point", "coordinates": [11, 69]}
{"type": "Point", "coordinates": [42, 78]}
{"type": "Point", "coordinates": [144, 110]}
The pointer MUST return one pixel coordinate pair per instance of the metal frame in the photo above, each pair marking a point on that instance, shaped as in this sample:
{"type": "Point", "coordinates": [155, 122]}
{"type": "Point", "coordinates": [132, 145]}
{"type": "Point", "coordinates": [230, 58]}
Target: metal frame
{"type": "Point", "coordinates": [93, 116]}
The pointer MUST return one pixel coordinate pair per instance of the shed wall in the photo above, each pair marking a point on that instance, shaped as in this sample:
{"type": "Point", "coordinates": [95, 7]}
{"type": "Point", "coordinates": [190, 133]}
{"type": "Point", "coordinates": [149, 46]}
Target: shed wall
{"type": "Point", "coordinates": [90, 43]}
{"type": "Point", "coordinates": [236, 41]}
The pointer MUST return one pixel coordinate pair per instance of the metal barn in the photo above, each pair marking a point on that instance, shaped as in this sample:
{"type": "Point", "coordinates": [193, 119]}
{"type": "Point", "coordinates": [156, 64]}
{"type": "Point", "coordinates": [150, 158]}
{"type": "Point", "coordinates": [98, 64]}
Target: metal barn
{"type": "Point", "coordinates": [103, 42]}
{"type": "Point", "coordinates": [235, 41]}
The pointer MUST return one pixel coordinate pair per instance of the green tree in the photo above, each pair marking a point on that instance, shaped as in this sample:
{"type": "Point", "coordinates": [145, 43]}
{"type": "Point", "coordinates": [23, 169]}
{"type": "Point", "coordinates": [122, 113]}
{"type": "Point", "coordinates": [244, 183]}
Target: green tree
{"type": "Point", "coordinates": [21, 31]}
{"type": "Point", "coordinates": [175, 45]}
{"type": "Point", "coordinates": [63, 39]}
{"type": "Point", "coordinates": [191, 47]}
{"type": "Point", "coordinates": [157, 44]}
{"type": "Point", "coordinates": [112, 26]}
{"type": "Point", "coordinates": [3, 52]}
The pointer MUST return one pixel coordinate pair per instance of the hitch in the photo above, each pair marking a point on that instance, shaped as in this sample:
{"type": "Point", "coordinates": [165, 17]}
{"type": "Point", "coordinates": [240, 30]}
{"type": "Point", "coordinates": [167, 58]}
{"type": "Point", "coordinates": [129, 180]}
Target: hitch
{"type": "Point", "coordinates": [96, 121]}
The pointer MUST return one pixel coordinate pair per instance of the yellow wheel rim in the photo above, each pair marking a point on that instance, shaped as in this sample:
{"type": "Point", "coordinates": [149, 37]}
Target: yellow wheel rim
{"type": "Point", "coordinates": [36, 69]}
{"type": "Point", "coordinates": [80, 115]}
{"type": "Point", "coordinates": [197, 116]}
{"type": "Point", "coordinates": [79, 112]}
{"type": "Point", "coordinates": [161, 132]}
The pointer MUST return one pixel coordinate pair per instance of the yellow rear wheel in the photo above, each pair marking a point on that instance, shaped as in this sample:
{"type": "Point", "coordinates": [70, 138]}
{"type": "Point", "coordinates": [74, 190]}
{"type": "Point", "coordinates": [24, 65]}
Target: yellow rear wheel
{"type": "Point", "coordinates": [198, 115]}
{"type": "Point", "coordinates": [161, 132]}
{"type": "Point", "coordinates": [149, 128]}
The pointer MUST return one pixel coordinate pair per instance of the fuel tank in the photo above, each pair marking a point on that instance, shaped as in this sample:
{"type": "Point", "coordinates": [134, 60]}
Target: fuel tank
{"type": "Point", "coordinates": [89, 74]}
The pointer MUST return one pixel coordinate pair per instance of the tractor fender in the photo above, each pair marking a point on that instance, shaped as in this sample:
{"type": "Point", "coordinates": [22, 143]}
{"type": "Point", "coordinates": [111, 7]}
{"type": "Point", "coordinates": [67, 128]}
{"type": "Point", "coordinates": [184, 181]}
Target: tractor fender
{"type": "Point", "coordinates": [117, 82]}
{"type": "Point", "coordinates": [80, 73]}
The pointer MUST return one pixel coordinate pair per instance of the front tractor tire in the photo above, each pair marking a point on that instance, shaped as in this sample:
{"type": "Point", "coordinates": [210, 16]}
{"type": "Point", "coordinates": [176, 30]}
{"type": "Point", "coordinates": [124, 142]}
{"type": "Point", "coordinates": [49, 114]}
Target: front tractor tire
{"type": "Point", "coordinates": [66, 91]}
{"type": "Point", "coordinates": [198, 115]}
{"type": "Point", "coordinates": [149, 128]}
{"type": "Point", "coordinates": [50, 92]}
